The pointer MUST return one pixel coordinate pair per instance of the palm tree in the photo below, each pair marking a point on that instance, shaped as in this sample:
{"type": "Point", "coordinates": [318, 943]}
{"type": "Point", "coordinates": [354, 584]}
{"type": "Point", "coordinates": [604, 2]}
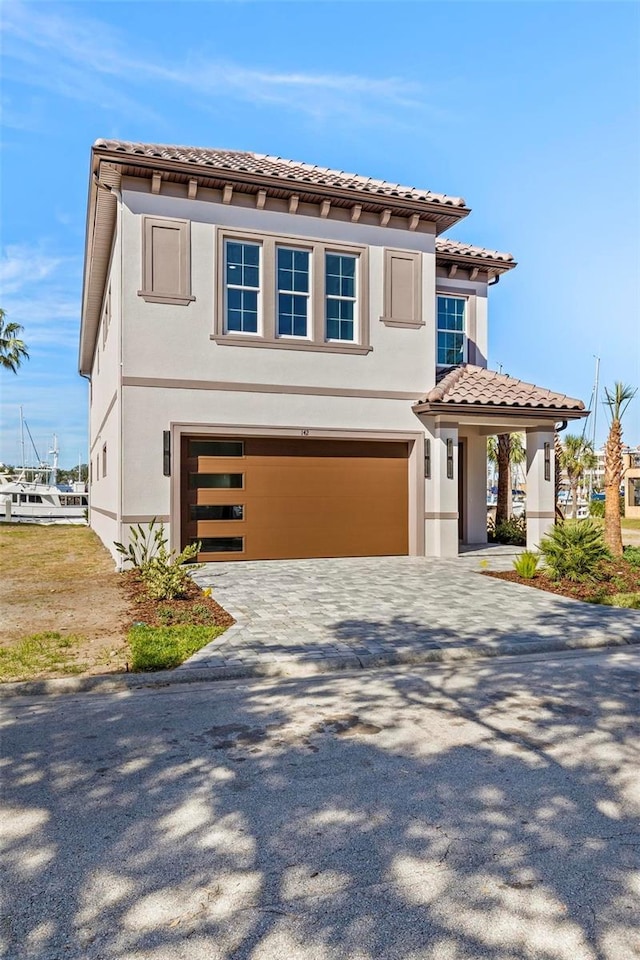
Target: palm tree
{"type": "Point", "coordinates": [576, 456]}
{"type": "Point", "coordinates": [12, 349]}
{"type": "Point", "coordinates": [617, 400]}
{"type": "Point", "coordinates": [504, 450]}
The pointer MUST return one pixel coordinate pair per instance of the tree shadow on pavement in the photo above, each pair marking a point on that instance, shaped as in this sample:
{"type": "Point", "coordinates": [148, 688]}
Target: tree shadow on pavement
{"type": "Point", "coordinates": [487, 813]}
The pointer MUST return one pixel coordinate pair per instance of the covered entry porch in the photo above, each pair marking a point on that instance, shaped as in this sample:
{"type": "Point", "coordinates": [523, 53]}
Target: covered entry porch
{"type": "Point", "coordinates": [467, 405]}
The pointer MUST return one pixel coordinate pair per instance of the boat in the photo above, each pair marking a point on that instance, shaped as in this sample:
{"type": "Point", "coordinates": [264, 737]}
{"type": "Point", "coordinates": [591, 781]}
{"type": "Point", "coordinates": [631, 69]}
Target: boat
{"type": "Point", "coordinates": [33, 500]}
{"type": "Point", "coordinates": [34, 496]}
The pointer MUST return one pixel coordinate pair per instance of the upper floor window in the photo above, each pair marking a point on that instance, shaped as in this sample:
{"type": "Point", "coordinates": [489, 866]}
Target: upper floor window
{"type": "Point", "coordinates": [451, 331]}
{"type": "Point", "coordinates": [293, 269]}
{"type": "Point", "coordinates": [340, 295]}
{"type": "Point", "coordinates": [242, 286]}
{"type": "Point", "coordinates": [291, 292]}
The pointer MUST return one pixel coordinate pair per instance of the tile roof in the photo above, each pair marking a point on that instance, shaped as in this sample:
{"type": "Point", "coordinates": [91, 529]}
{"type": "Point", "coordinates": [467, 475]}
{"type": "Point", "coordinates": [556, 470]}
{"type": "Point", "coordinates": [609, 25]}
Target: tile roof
{"type": "Point", "coordinates": [261, 164]}
{"type": "Point", "coordinates": [458, 249]}
{"type": "Point", "coordinates": [471, 385]}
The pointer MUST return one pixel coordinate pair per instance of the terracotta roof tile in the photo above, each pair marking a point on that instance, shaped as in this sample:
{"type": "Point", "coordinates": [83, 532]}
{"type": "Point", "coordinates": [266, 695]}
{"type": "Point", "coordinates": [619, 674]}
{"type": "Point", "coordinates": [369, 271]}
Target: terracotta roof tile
{"type": "Point", "coordinates": [280, 169]}
{"type": "Point", "coordinates": [468, 384]}
{"type": "Point", "coordinates": [458, 249]}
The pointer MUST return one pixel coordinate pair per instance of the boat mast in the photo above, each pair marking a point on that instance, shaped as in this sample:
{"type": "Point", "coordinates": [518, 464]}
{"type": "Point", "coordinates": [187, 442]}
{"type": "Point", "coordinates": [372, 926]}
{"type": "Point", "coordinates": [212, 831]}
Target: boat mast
{"type": "Point", "coordinates": [53, 476]}
{"type": "Point", "coordinates": [24, 465]}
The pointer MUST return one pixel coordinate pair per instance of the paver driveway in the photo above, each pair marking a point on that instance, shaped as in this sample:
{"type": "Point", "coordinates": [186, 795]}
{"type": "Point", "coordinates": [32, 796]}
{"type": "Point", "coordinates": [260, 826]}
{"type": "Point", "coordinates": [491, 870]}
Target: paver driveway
{"type": "Point", "coordinates": [301, 616]}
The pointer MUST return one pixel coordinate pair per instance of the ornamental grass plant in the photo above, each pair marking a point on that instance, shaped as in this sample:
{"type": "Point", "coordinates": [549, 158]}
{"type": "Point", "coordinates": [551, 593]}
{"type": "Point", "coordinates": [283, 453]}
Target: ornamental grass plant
{"type": "Point", "coordinates": [573, 550]}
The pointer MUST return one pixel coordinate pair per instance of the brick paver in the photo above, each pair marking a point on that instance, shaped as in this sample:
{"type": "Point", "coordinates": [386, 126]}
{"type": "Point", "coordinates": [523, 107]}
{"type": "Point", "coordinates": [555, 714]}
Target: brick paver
{"type": "Point", "coordinates": [304, 616]}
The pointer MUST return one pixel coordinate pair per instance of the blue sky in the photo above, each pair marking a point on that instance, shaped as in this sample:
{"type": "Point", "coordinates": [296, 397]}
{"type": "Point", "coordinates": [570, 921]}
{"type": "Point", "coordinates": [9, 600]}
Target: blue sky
{"type": "Point", "coordinates": [530, 111]}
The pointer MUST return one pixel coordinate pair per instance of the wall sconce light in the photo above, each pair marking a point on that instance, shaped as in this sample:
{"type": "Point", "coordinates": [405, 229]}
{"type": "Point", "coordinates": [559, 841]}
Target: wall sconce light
{"type": "Point", "coordinates": [449, 459]}
{"type": "Point", "coordinates": [547, 461]}
{"type": "Point", "coordinates": [427, 459]}
{"type": "Point", "coordinates": [166, 453]}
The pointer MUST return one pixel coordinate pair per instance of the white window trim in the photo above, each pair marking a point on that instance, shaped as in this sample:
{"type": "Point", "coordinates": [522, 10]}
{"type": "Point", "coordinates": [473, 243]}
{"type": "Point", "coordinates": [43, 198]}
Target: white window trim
{"type": "Point", "coordinates": [354, 299]}
{"type": "Point", "coordinates": [465, 331]}
{"type": "Point", "coordinates": [236, 286]}
{"type": "Point", "coordinates": [296, 248]}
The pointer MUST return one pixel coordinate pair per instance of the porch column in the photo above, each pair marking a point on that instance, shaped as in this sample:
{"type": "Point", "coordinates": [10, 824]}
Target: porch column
{"type": "Point", "coordinates": [441, 514]}
{"type": "Point", "coordinates": [475, 486]}
{"type": "Point", "coordinates": [540, 485]}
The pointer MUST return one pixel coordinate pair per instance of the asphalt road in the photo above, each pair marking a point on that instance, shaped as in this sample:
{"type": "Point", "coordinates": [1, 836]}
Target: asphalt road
{"type": "Point", "coordinates": [486, 811]}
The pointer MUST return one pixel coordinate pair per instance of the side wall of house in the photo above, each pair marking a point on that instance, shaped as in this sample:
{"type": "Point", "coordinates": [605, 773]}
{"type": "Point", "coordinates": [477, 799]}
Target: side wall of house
{"type": "Point", "coordinates": [105, 434]}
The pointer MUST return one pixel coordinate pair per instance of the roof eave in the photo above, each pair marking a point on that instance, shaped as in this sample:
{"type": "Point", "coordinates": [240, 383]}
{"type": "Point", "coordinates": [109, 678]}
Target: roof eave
{"type": "Point", "coordinates": [438, 407]}
{"type": "Point", "coordinates": [493, 267]}
{"type": "Point", "coordinates": [93, 283]}
{"type": "Point", "coordinates": [84, 367]}
{"type": "Point", "coordinates": [438, 212]}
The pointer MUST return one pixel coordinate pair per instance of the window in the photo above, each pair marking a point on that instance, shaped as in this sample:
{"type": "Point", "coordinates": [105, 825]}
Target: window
{"type": "Point", "coordinates": [293, 292]}
{"type": "Point", "coordinates": [216, 448]}
{"type": "Point", "coordinates": [634, 491]}
{"type": "Point", "coordinates": [215, 480]}
{"type": "Point", "coordinates": [104, 460]}
{"type": "Point", "coordinates": [220, 544]}
{"type": "Point", "coordinates": [340, 296]}
{"type": "Point", "coordinates": [223, 511]}
{"type": "Point", "coordinates": [242, 286]}
{"type": "Point", "coordinates": [451, 331]}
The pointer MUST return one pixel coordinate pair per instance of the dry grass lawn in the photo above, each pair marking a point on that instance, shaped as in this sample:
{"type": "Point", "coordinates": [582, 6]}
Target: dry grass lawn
{"type": "Point", "coordinates": [63, 610]}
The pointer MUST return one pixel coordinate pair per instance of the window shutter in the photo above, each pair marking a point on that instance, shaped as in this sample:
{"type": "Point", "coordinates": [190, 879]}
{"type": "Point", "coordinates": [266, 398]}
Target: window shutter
{"type": "Point", "coordinates": [166, 260]}
{"type": "Point", "coordinates": [402, 288]}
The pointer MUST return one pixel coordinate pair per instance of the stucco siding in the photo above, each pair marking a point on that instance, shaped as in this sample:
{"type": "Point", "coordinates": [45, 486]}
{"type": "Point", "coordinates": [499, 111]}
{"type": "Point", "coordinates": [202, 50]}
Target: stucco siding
{"type": "Point", "coordinates": [149, 411]}
{"type": "Point", "coordinates": [174, 341]}
{"type": "Point", "coordinates": [105, 406]}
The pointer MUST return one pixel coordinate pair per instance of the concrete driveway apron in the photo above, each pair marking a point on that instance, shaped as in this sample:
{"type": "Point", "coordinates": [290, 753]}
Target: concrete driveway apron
{"type": "Point", "coordinates": [298, 617]}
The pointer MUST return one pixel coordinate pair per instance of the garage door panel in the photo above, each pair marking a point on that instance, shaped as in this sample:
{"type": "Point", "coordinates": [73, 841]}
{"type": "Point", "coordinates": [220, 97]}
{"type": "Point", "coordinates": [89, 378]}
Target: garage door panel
{"type": "Point", "coordinates": [299, 498]}
{"type": "Point", "coordinates": [315, 477]}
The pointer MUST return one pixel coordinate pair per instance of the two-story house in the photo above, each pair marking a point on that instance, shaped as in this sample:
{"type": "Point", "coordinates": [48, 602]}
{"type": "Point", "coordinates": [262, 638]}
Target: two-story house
{"type": "Point", "coordinates": [288, 361]}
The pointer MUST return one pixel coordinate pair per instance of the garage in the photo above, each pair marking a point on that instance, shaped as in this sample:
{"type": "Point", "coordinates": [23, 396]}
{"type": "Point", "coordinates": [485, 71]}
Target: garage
{"type": "Point", "coordinates": [257, 498]}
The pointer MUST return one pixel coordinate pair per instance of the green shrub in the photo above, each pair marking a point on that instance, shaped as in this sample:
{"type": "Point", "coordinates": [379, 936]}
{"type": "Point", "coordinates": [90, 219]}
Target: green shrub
{"type": "Point", "coordinates": [596, 508]}
{"type": "Point", "coordinates": [164, 572]}
{"type": "Point", "coordinates": [526, 564]}
{"type": "Point", "coordinates": [573, 550]}
{"type": "Point", "coordinates": [166, 576]}
{"type": "Point", "coordinates": [143, 544]}
{"type": "Point", "coordinates": [632, 556]}
{"type": "Point", "coordinates": [161, 648]}
{"type": "Point", "coordinates": [512, 531]}
{"type": "Point", "coordinates": [629, 600]}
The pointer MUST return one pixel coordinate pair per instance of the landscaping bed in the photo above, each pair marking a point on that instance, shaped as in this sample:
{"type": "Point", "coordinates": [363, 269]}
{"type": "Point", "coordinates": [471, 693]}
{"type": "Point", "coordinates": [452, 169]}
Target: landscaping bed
{"type": "Point", "coordinates": [614, 583]}
{"type": "Point", "coordinates": [65, 610]}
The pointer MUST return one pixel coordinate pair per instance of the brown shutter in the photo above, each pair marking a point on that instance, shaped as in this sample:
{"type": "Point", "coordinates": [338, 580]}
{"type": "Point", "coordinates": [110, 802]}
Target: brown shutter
{"type": "Point", "coordinates": [166, 260]}
{"type": "Point", "coordinates": [402, 288]}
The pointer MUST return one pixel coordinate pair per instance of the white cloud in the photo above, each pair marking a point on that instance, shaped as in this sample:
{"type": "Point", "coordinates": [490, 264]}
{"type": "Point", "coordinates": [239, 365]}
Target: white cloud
{"type": "Point", "coordinates": [41, 291]}
{"type": "Point", "coordinates": [87, 60]}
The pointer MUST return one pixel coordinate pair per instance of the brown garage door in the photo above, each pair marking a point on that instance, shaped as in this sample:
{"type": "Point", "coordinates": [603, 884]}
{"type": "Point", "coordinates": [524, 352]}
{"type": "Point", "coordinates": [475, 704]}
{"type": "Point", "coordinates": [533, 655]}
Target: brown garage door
{"type": "Point", "coordinates": [261, 499]}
